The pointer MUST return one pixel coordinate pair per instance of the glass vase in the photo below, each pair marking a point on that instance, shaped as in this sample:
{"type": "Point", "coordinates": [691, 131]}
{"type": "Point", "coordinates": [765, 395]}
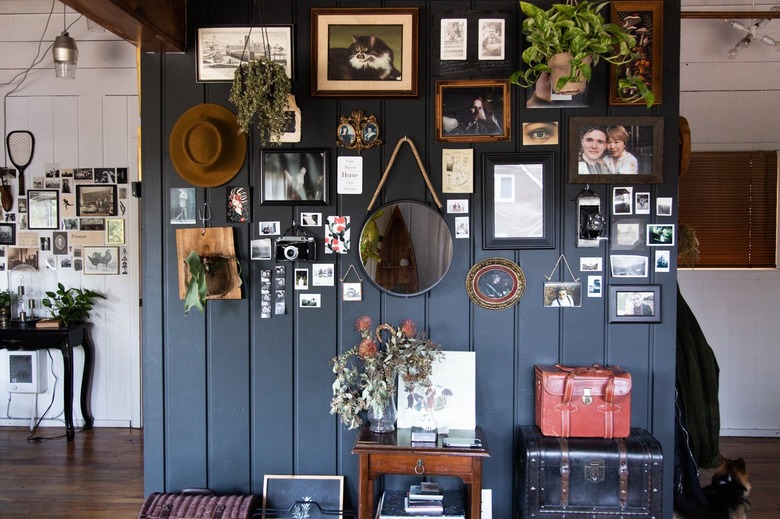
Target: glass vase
{"type": "Point", "coordinates": [381, 417]}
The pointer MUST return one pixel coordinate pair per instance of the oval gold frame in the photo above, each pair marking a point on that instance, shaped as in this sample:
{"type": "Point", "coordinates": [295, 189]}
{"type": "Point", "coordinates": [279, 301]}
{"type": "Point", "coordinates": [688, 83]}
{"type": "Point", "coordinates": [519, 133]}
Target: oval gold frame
{"type": "Point", "coordinates": [510, 277]}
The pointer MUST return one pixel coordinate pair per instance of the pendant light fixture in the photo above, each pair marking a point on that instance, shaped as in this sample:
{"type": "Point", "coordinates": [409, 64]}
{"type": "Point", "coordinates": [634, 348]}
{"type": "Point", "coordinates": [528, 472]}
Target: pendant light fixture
{"type": "Point", "coordinates": [65, 53]}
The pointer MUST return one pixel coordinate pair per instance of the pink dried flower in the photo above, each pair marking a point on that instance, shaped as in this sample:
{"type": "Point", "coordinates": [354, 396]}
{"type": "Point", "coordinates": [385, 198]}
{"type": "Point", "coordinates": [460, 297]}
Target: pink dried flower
{"type": "Point", "coordinates": [363, 324]}
{"type": "Point", "coordinates": [409, 328]}
{"type": "Point", "coordinates": [367, 349]}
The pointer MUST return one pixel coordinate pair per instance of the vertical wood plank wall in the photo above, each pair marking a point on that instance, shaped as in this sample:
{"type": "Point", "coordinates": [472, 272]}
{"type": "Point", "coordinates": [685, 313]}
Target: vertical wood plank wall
{"type": "Point", "coordinates": [230, 397]}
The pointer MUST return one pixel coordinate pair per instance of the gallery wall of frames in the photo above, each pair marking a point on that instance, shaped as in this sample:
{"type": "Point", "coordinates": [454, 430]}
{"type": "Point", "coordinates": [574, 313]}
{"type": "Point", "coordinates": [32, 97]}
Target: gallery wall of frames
{"type": "Point", "coordinates": [243, 389]}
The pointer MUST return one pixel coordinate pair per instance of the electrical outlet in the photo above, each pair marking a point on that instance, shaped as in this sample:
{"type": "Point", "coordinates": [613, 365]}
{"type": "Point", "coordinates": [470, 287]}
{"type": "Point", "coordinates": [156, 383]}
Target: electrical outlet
{"type": "Point", "coordinates": [487, 503]}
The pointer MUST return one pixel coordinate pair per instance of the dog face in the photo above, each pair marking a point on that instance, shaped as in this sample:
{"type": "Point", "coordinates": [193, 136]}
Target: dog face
{"type": "Point", "coordinates": [732, 470]}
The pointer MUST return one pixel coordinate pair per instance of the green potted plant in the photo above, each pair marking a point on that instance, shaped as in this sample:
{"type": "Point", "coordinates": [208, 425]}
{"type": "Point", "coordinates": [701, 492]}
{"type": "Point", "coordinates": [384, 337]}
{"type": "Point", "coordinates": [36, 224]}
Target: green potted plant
{"type": "Point", "coordinates": [567, 41]}
{"type": "Point", "coordinates": [5, 306]}
{"type": "Point", "coordinates": [70, 305]}
{"type": "Point", "coordinates": [260, 89]}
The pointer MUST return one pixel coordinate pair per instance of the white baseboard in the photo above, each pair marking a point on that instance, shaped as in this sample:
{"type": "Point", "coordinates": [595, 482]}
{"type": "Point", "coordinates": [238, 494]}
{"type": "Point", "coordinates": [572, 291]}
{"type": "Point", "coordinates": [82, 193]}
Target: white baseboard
{"type": "Point", "coordinates": [758, 433]}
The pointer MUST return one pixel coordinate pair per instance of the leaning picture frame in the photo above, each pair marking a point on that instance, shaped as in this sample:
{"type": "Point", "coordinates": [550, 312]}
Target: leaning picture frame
{"type": "Point", "coordinates": [222, 49]}
{"type": "Point", "coordinates": [644, 20]}
{"type": "Point", "coordinates": [43, 209]}
{"type": "Point", "coordinates": [495, 283]}
{"type": "Point", "coordinates": [294, 177]}
{"type": "Point", "coordinates": [519, 201]}
{"type": "Point", "coordinates": [393, 31]}
{"type": "Point", "coordinates": [313, 497]}
{"type": "Point", "coordinates": [635, 303]}
{"type": "Point", "coordinates": [641, 161]}
{"type": "Point", "coordinates": [473, 110]}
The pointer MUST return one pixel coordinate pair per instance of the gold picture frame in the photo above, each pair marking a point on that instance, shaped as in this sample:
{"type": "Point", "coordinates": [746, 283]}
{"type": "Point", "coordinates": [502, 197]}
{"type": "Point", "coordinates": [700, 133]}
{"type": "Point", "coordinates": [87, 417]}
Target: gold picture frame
{"type": "Point", "coordinates": [495, 283]}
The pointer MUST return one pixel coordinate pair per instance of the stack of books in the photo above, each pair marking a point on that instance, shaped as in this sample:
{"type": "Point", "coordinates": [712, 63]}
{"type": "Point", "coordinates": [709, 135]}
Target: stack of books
{"type": "Point", "coordinates": [425, 498]}
{"type": "Point", "coordinates": [421, 501]}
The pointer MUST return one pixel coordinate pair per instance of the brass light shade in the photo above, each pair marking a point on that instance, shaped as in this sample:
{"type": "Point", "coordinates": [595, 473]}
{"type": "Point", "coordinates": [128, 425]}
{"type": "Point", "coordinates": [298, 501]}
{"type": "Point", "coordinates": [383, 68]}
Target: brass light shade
{"type": "Point", "coordinates": [66, 56]}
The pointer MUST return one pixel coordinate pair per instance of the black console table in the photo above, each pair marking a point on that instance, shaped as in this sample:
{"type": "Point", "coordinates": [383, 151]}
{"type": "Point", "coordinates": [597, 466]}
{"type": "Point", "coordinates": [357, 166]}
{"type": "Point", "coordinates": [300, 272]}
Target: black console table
{"type": "Point", "coordinates": [27, 337]}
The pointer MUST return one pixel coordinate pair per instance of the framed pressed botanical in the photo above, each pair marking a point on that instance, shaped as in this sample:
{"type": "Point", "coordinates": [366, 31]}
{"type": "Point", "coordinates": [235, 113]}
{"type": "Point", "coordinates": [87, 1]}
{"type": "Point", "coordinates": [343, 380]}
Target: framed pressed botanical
{"type": "Point", "coordinates": [644, 20]}
{"type": "Point", "coordinates": [294, 177]}
{"type": "Point", "coordinates": [387, 37]}
{"type": "Point", "coordinates": [635, 303]}
{"type": "Point", "coordinates": [222, 49]}
{"type": "Point", "coordinates": [473, 110]}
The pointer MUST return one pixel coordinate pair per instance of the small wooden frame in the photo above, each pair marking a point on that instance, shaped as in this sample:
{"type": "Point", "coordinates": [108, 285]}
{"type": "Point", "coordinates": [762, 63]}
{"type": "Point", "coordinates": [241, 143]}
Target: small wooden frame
{"type": "Point", "coordinates": [473, 111]}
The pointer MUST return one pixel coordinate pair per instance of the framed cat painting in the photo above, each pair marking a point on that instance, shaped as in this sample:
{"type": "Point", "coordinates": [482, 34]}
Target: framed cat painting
{"type": "Point", "coordinates": [364, 52]}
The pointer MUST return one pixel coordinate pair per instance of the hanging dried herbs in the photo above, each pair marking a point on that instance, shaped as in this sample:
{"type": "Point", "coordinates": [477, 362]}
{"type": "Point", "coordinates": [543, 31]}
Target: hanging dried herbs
{"type": "Point", "coordinates": [259, 92]}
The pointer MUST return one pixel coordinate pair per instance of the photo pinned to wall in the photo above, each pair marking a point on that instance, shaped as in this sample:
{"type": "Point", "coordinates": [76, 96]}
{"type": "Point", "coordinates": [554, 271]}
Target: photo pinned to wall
{"type": "Point", "coordinates": [297, 494]}
{"type": "Point", "coordinates": [491, 38]}
{"type": "Point", "coordinates": [83, 175]}
{"type": "Point", "coordinates": [222, 49]}
{"type": "Point", "coordinates": [591, 264]}
{"type": "Point", "coordinates": [45, 245]}
{"type": "Point", "coordinates": [92, 224]}
{"type": "Point", "coordinates": [121, 175]}
{"type": "Point", "coordinates": [124, 261]}
{"type": "Point", "coordinates": [662, 260]}
{"type": "Point", "coordinates": [594, 286]}
{"type": "Point", "coordinates": [622, 200]}
{"type": "Point", "coordinates": [105, 175]}
{"type": "Point", "coordinates": [27, 256]}
{"type": "Point", "coordinates": [541, 133]}
{"type": "Point", "coordinates": [628, 266]}
{"type": "Point", "coordinates": [458, 206]}
{"type": "Point", "coordinates": [663, 206]}
{"type": "Point", "coordinates": [21, 205]}
{"type": "Point", "coordinates": [261, 249]}
{"type": "Point", "coordinates": [627, 234]}
{"type": "Point", "coordinates": [101, 260]}
{"type": "Point", "coordinates": [310, 300]}
{"type": "Point", "coordinates": [182, 205]}
{"type": "Point", "coordinates": [238, 206]}
{"type": "Point", "coordinates": [311, 219]}
{"type": "Point", "coordinates": [323, 274]}
{"type": "Point", "coordinates": [562, 294]}
{"type": "Point", "coordinates": [265, 294]}
{"type": "Point", "coordinates": [301, 279]}
{"type": "Point", "coordinates": [51, 170]}
{"type": "Point", "coordinates": [462, 227]}
{"type": "Point", "coordinates": [66, 185]}
{"type": "Point", "coordinates": [115, 231]}
{"type": "Point", "coordinates": [43, 209]}
{"type": "Point", "coordinates": [280, 285]}
{"type": "Point", "coordinates": [51, 183]}
{"type": "Point", "coordinates": [457, 174]}
{"type": "Point", "coordinates": [37, 183]}
{"type": "Point", "coordinates": [660, 235]}
{"type": "Point", "coordinates": [70, 224]}
{"type": "Point", "coordinates": [59, 241]}
{"type": "Point", "coordinates": [454, 36]}
{"type": "Point", "coordinates": [51, 262]}
{"type": "Point", "coordinates": [337, 235]}
{"type": "Point", "coordinates": [67, 206]}
{"type": "Point", "coordinates": [642, 203]}
{"type": "Point", "coordinates": [268, 228]}
{"type": "Point", "coordinates": [66, 262]}
{"type": "Point", "coordinates": [635, 303]}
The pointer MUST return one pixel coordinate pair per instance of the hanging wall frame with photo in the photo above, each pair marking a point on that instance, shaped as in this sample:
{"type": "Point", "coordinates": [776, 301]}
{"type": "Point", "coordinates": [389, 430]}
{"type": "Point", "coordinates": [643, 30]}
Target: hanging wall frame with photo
{"type": "Point", "coordinates": [561, 294]}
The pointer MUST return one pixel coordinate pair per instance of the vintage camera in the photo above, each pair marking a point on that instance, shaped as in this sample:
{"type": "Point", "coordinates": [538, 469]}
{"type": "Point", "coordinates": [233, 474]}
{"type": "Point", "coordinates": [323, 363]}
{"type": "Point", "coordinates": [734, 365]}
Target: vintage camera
{"type": "Point", "coordinates": [296, 248]}
{"type": "Point", "coordinates": [591, 223]}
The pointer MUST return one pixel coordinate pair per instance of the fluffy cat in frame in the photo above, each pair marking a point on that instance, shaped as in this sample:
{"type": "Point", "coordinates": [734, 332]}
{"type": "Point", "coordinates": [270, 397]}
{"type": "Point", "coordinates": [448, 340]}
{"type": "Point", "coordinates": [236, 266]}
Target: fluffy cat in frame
{"type": "Point", "coordinates": [367, 58]}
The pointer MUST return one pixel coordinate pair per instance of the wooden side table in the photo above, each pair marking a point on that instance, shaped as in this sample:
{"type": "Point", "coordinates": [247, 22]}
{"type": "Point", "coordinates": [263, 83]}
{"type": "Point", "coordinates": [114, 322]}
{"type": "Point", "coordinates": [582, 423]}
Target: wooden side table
{"type": "Point", "coordinates": [393, 453]}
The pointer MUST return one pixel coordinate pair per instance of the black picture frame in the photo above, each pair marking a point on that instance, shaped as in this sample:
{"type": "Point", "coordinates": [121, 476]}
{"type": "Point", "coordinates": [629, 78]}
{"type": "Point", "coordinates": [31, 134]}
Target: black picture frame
{"type": "Point", "coordinates": [7, 233]}
{"type": "Point", "coordinates": [96, 200]}
{"type": "Point", "coordinates": [458, 115]}
{"type": "Point", "coordinates": [622, 299]}
{"type": "Point", "coordinates": [286, 493]}
{"type": "Point", "coordinates": [284, 181]}
{"type": "Point", "coordinates": [519, 200]}
{"type": "Point", "coordinates": [43, 209]}
{"type": "Point", "coordinates": [644, 143]}
{"type": "Point", "coordinates": [222, 49]}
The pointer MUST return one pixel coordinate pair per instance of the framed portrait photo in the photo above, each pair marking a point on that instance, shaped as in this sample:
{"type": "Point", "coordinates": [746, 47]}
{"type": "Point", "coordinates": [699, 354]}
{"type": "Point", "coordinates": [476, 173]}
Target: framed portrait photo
{"type": "Point", "coordinates": [43, 209]}
{"type": "Point", "coordinates": [518, 198]}
{"type": "Point", "coordinates": [338, 33]}
{"type": "Point", "coordinates": [222, 49]}
{"type": "Point", "coordinates": [644, 20]}
{"type": "Point", "coordinates": [473, 110]}
{"type": "Point", "coordinates": [635, 303]}
{"type": "Point", "coordinates": [495, 283]}
{"type": "Point", "coordinates": [96, 200]}
{"type": "Point", "coordinates": [294, 177]}
{"type": "Point", "coordinates": [616, 150]}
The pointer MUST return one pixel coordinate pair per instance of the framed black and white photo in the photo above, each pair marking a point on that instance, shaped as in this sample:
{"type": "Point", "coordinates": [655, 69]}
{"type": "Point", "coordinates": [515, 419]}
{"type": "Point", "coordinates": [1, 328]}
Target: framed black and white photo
{"type": "Point", "coordinates": [43, 209]}
{"type": "Point", "coordinates": [628, 266]}
{"type": "Point", "coordinates": [310, 497]}
{"type": "Point", "coordinates": [454, 35]}
{"type": "Point", "coordinates": [7, 233]}
{"type": "Point", "coordinates": [662, 260]}
{"type": "Point", "coordinates": [622, 200]}
{"type": "Point", "coordinates": [294, 177]}
{"type": "Point", "coordinates": [323, 274]}
{"type": "Point", "coordinates": [518, 199]}
{"type": "Point", "coordinates": [616, 150]}
{"type": "Point", "coordinates": [96, 200]}
{"type": "Point", "coordinates": [470, 110]}
{"type": "Point", "coordinates": [660, 235]}
{"type": "Point", "coordinates": [663, 206]}
{"type": "Point", "coordinates": [492, 38]}
{"type": "Point", "coordinates": [641, 203]}
{"type": "Point", "coordinates": [101, 260]}
{"type": "Point", "coordinates": [635, 303]}
{"type": "Point", "coordinates": [261, 249]}
{"type": "Point", "coordinates": [222, 49]}
{"type": "Point", "coordinates": [562, 294]}
{"type": "Point", "coordinates": [627, 234]}
{"type": "Point", "coordinates": [309, 300]}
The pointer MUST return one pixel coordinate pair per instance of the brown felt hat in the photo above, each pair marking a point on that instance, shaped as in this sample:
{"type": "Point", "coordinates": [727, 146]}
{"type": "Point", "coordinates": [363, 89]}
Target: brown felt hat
{"type": "Point", "coordinates": [206, 148]}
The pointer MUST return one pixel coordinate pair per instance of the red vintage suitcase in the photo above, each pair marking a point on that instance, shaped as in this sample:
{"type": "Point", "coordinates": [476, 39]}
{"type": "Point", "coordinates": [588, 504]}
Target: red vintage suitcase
{"type": "Point", "coordinates": [198, 504]}
{"type": "Point", "coordinates": [583, 402]}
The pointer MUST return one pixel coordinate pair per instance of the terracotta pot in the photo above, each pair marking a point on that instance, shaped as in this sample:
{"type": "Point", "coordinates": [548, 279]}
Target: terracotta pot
{"type": "Point", "coordinates": [560, 65]}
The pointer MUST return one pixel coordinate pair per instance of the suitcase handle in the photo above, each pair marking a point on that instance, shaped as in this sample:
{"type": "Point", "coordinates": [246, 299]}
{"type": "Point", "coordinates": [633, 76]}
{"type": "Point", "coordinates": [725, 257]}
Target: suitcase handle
{"type": "Point", "coordinates": [568, 392]}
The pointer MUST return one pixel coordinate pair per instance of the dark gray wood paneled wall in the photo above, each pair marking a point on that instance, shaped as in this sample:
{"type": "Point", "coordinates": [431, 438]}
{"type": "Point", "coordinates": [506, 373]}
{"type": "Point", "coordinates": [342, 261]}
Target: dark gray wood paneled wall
{"type": "Point", "coordinates": [230, 397]}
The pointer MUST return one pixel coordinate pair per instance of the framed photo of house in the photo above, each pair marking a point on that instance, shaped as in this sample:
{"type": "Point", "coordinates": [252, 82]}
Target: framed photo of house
{"type": "Point", "coordinates": [644, 21]}
{"type": "Point", "coordinates": [43, 209]}
{"type": "Point", "coordinates": [391, 33]}
{"type": "Point", "coordinates": [473, 110]}
{"type": "Point", "coordinates": [518, 198]}
{"type": "Point", "coordinates": [313, 497]}
{"type": "Point", "coordinates": [634, 156]}
{"type": "Point", "coordinates": [495, 283]}
{"type": "Point", "coordinates": [7, 233]}
{"type": "Point", "coordinates": [222, 49]}
{"type": "Point", "coordinates": [635, 303]}
{"type": "Point", "coordinates": [96, 200]}
{"type": "Point", "coordinates": [294, 177]}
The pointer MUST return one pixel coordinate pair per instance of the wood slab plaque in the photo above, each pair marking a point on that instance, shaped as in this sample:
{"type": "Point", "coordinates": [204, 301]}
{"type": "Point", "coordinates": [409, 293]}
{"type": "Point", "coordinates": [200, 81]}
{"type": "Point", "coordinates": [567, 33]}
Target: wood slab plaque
{"type": "Point", "coordinates": [217, 241]}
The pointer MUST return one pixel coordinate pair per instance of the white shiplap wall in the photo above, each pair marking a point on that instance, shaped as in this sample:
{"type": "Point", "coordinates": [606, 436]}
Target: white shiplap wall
{"type": "Point", "coordinates": [734, 106]}
{"type": "Point", "coordinates": [91, 121]}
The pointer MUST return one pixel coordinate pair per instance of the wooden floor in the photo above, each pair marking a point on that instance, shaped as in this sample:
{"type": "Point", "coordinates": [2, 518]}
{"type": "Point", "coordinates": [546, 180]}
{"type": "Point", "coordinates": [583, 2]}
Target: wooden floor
{"type": "Point", "coordinates": [99, 475]}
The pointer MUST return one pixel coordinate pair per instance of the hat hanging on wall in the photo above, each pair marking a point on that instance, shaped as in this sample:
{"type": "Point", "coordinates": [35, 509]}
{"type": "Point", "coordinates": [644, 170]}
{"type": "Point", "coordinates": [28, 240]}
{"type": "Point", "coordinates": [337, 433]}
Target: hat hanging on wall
{"type": "Point", "coordinates": [205, 146]}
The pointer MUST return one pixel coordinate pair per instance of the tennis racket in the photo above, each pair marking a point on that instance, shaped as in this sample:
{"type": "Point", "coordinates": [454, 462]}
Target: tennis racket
{"type": "Point", "coordinates": [20, 145]}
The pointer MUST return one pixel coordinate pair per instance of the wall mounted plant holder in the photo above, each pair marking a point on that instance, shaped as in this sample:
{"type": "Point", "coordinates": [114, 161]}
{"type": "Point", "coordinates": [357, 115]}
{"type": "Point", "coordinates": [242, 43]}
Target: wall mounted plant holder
{"type": "Point", "coordinates": [358, 132]}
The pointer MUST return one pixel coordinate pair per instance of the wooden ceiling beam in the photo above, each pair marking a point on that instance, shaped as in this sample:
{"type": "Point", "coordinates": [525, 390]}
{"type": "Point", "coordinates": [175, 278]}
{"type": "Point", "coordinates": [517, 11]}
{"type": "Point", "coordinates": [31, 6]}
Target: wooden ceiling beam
{"type": "Point", "coordinates": [150, 25]}
{"type": "Point", "coordinates": [729, 15]}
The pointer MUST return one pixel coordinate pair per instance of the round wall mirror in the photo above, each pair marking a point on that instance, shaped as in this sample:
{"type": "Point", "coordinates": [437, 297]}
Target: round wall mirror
{"type": "Point", "coordinates": [405, 248]}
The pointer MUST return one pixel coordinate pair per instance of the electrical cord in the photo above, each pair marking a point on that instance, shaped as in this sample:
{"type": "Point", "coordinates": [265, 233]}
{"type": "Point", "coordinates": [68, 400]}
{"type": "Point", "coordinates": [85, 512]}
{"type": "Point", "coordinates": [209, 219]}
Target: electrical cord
{"type": "Point", "coordinates": [32, 438]}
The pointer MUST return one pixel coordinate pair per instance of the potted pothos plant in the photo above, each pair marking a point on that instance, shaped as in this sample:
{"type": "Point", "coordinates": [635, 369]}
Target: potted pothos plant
{"type": "Point", "coordinates": [568, 40]}
{"type": "Point", "coordinates": [70, 305]}
{"type": "Point", "coordinates": [209, 275]}
{"type": "Point", "coordinates": [259, 92]}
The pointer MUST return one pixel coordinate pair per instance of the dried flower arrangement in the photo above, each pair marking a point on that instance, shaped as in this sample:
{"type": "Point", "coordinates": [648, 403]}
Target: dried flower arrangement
{"type": "Point", "coordinates": [260, 89]}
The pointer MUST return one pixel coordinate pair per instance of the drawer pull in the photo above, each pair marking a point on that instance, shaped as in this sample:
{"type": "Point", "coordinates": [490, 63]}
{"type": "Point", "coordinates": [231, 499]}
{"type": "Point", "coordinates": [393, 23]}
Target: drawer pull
{"type": "Point", "coordinates": [419, 469]}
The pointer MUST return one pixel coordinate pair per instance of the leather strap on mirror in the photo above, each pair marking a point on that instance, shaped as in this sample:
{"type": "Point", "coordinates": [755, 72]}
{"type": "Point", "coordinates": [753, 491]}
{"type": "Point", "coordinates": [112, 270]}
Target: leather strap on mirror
{"type": "Point", "coordinates": [390, 165]}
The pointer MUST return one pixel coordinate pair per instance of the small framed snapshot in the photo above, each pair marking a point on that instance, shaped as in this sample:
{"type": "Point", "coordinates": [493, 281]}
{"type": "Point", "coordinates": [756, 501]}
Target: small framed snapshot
{"type": "Point", "coordinates": [540, 133]}
{"type": "Point", "coordinates": [43, 209]}
{"type": "Point", "coordinates": [352, 291]}
{"type": "Point", "coordinates": [594, 286]}
{"type": "Point", "coordinates": [628, 266]}
{"type": "Point", "coordinates": [641, 203]}
{"type": "Point", "coordinates": [7, 233]}
{"type": "Point", "coordinates": [309, 300]}
{"type": "Point", "coordinates": [323, 274]}
{"type": "Point", "coordinates": [462, 227]}
{"type": "Point", "coordinates": [311, 219]}
{"type": "Point", "coordinates": [662, 260]}
{"type": "Point", "coordinates": [457, 174]}
{"type": "Point", "coordinates": [622, 200]}
{"type": "Point", "coordinates": [389, 33]}
{"type": "Point", "coordinates": [519, 201]}
{"type": "Point", "coordinates": [301, 279]}
{"type": "Point", "coordinates": [562, 294]}
{"type": "Point", "coordinates": [115, 231]}
{"type": "Point", "coordinates": [491, 38]}
{"type": "Point", "coordinates": [660, 235]}
{"type": "Point", "coordinates": [591, 264]}
{"type": "Point", "coordinates": [495, 283]}
{"type": "Point", "coordinates": [101, 260]}
{"type": "Point", "coordinates": [663, 206]}
{"type": "Point", "coordinates": [294, 177]}
{"type": "Point", "coordinates": [96, 200]}
{"type": "Point", "coordinates": [222, 49]}
{"type": "Point", "coordinates": [635, 303]}
{"type": "Point", "coordinates": [268, 228]}
{"type": "Point", "coordinates": [454, 36]}
{"type": "Point", "coordinates": [644, 20]}
{"type": "Point", "coordinates": [261, 249]}
{"type": "Point", "coordinates": [616, 150]}
{"type": "Point", "coordinates": [470, 110]}
{"type": "Point", "coordinates": [458, 206]}
{"type": "Point", "coordinates": [183, 202]}
{"type": "Point", "coordinates": [627, 234]}
{"type": "Point", "coordinates": [295, 496]}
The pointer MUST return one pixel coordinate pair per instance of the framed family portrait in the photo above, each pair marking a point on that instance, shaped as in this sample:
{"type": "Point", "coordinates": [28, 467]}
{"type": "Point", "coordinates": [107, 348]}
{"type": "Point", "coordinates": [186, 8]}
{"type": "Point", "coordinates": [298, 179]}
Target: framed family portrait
{"type": "Point", "coordinates": [294, 177]}
{"type": "Point", "coordinates": [96, 200]}
{"type": "Point", "coordinates": [389, 33]}
{"type": "Point", "coordinates": [495, 283]}
{"type": "Point", "coordinates": [222, 49]}
{"type": "Point", "coordinates": [616, 150]}
{"type": "Point", "coordinates": [43, 206]}
{"type": "Point", "coordinates": [644, 21]}
{"type": "Point", "coordinates": [473, 110]}
{"type": "Point", "coordinates": [635, 303]}
{"type": "Point", "coordinates": [519, 200]}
